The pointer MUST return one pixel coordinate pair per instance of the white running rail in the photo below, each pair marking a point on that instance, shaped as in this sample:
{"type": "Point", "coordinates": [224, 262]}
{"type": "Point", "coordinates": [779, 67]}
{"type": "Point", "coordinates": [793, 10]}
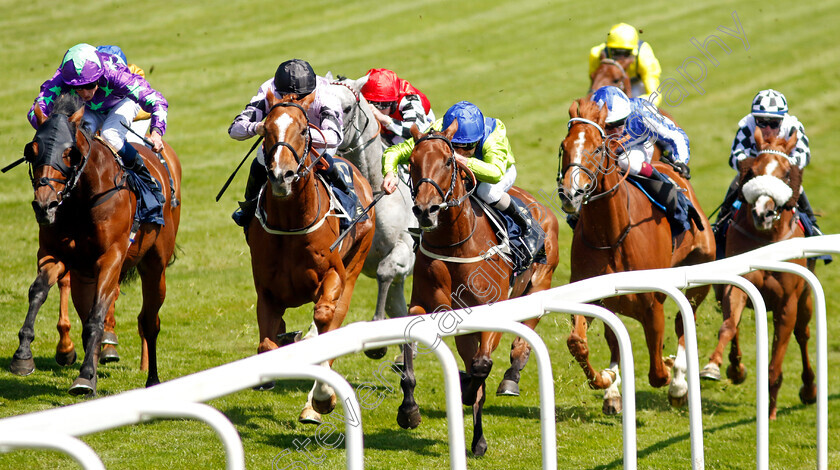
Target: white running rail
{"type": "Point", "coordinates": [58, 429]}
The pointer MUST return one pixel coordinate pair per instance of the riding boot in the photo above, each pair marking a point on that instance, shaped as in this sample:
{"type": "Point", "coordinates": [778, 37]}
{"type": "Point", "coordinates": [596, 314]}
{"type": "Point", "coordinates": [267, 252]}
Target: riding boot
{"type": "Point", "coordinates": [256, 179]}
{"type": "Point", "coordinates": [337, 180]}
{"type": "Point", "coordinates": [804, 207]}
{"type": "Point", "coordinates": [134, 162]}
{"type": "Point", "coordinates": [532, 238]}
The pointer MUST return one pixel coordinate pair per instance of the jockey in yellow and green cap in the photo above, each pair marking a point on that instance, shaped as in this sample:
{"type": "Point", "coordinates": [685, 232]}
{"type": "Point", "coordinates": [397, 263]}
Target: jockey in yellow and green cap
{"type": "Point", "coordinates": [644, 72]}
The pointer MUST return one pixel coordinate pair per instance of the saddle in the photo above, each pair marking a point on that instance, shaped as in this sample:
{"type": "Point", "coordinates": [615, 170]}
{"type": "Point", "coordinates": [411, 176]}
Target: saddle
{"type": "Point", "coordinates": [349, 205]}
{"type": "Point", "coordinates": [670, 199]}
{"type": "Point", "coordinates": [523, 250]}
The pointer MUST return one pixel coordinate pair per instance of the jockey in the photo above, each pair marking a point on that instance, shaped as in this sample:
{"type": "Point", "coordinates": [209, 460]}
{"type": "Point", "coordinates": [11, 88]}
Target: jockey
{"type": "Point", "coordinates": [770, 114]}
{"type": "Point", "coordinates": [480, 144]}
{"type": "Point", "coordinates": [622, 42]}
{"type": "Point", "coordinates": [112, 95]}
{"type": "Point", "coordinates": [396, 104]}
{"type": "Point", "coordinates": [293, 76]}
{"type": "Point", "coordinates": [635, 125]}
{"type": "Point", "coordinates": [142, 121]}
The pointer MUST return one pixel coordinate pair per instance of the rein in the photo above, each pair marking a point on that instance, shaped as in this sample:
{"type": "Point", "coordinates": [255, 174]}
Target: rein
{"type": "Point", "coordinates": [313, 226]}
{"type": "Point", "coordinates": [447, 202]}
{"type": "Point", "coordinates": [358, 131]}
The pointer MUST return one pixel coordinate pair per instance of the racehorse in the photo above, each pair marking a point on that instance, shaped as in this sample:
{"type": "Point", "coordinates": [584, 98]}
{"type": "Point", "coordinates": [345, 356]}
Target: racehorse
{"type": "Point", "coordinates": [392, 256]}
{"type": "Point", "coordinates": [769, 186]}
{"type": "Point", "coordinates": [291, 236]}
{"type": "Point", "coordinates": [619, 230]}
{"type": "Point", "coordinates": [459, 265]}
{"type": "Point", "coordinates": [85, 210]}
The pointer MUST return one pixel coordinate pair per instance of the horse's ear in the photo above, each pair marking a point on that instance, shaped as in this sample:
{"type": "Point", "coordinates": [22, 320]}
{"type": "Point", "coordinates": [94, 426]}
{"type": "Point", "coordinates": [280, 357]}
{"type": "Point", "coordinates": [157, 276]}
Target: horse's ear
{"type": "Point", "coordinates": [602, 114]}
{"type": "Point", "coordinates": [40, 117]}
{"type": "Point", "coordinates": [795, 184]}
{"type": "Point", "coordinates": [574, 109]}
{"type": "Point", "coordinates": [791, 142]}
{"type": "Point", "coordinates": [76, 117]}
{"type": "Point", "coordinates": [415, 132]}
{"type": "Point", "coordinates": [759, 138]}
{"type": "Point", "coordinates": [30, 151]}
{"type": "Point", "coordinates": [451, 130]}
{"type": "Point", "coordinates": [359, 83]}
{"type": "Point", "coordinates": [271, 99]}
{"type": "Point", "coordinates": [82, 143]}
{"type": "Point", "coordinates": [307, 101]}
{"type": "Point", "coordinates": [745, 169]}
{"type": "Point", "coordinates": [329, 75]}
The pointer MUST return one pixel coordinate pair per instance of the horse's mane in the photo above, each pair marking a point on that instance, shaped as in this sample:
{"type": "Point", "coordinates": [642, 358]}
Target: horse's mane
{"type": "Point", "coordinates": [67, 104]}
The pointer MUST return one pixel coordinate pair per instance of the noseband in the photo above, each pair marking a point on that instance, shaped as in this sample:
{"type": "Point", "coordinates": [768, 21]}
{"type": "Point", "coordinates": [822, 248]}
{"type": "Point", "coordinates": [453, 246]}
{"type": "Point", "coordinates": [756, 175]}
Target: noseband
{"type": "Point", "coordinates": [302, 169]}
{"type": "Point", "coordinates": [447, 202]}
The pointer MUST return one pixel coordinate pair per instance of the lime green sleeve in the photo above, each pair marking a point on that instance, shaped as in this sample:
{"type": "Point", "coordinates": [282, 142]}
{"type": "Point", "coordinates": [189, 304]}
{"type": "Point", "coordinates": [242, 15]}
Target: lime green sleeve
{"type": "Point", "coordinates": [496, 157]}
{"type": "Point", "coordinates": [401, 153]}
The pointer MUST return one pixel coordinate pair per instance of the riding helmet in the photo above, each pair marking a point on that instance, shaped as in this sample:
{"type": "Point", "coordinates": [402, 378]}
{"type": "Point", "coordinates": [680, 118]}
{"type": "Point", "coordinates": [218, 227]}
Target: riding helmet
{"type": "Point", "coordinates": [470, 122]}
{"type": "Point", "coordinates": [295, 76]}
{"type": "Point", "coordinates": [114, 51]}
{"type": "Point", "coordinates": [623, 36]}
{"type": "Point", "coordinates": [618, 104]}
{"type": "Point", "coordinates": [769, 103]}
{"type": "Point", "coordinates": [81, 65]}
{"type": "Point", "coordinates": [381, 86]}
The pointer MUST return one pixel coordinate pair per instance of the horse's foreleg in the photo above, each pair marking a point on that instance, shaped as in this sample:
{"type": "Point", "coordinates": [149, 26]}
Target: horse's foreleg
{"type": "Point", "coordinates": [520, 351]}
{"type": "Point", "coordinates": [808, 392]}
{"type": "Point", "coordinates": [653, 323]}
{"type": "Point", "coordinates": [612, 395]}
{"type": "Point", "coordinates": [49, 271]}
{"type": "Point", "coordinates": [105, 292]}
{"type": "Point", "coordinates": [109, 339]}
{"type": "Point", "coordinates": [579, 348]}
{"type": "Point", "coordinates": [65, 351]}
{"type": "Point", "coordinates": [408, 414]}
{"type": "Point", "coordinates": [784, 320]}
{"type": "Point", "coordinates": [732, 306]}
{"type": "Point", "coordinates": [479, 443]}
{"type": "Point", "coordinates": [330, 308]}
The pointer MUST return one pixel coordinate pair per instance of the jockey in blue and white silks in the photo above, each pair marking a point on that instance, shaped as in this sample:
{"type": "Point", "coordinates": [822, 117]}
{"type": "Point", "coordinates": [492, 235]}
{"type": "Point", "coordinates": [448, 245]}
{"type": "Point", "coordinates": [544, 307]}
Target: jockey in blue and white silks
{"type": "Point", "coordinates": [637, 125]}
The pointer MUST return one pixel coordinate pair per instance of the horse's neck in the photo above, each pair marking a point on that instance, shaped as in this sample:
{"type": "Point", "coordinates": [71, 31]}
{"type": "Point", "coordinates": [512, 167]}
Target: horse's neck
{"type": "Point", "coordinates": [304, 206]}
{"type": "Point", "coordinates": [100, 173]}
{"type": "Point", "coordinates": [604, 220]}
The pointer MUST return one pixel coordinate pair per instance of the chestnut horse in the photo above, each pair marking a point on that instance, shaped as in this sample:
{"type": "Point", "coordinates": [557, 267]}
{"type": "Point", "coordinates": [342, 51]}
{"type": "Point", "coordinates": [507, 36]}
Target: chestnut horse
{"type": "Point", "coordinates": [770, 187]}
{"type": "Point", "coordinates": [620, 230]}
{"type": "Point", "coordinates": [86, 214]}
{"type": "Point", "coordinates": [291, 236]}
{"type": "Point", "coordinates": [611, 73]}
{"type": "Point", "coordinates": [455, 247]}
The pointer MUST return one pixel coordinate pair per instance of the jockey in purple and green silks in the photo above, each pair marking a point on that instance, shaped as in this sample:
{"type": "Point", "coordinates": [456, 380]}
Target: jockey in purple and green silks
{"type": "Point", "coordinates": [112, 95]}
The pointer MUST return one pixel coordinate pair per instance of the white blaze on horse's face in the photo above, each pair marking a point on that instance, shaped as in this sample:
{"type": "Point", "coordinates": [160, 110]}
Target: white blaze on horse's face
{"type": "Point", "coordinates": [580, 142]}
{"type": "Point", "coordinates": [282, 123]}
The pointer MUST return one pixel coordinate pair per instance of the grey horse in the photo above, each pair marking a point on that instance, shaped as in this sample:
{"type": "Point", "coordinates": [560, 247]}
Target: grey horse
{"type": "Point", "coordinates": [391, 258]}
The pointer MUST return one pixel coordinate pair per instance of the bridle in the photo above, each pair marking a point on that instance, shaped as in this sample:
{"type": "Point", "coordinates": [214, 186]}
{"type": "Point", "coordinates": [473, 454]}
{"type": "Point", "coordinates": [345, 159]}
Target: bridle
{"type": "Point", "coordinates": [448, 199]}
{"type": "Point", "coordinates": [777, 210]}
{"type": "Point", "coordinates": [71, 174]}
{"type": "Point", "coordinates": [355, 144]}
{"type": "Point", "coordinates": [603, 152]}
{"type": "Point", "coordinates": [302, 169]}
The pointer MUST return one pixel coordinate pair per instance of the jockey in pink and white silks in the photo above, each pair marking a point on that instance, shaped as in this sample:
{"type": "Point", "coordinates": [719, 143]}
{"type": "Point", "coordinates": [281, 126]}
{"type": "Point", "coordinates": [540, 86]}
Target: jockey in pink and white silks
{"type": "Point", "coordinates": [113, 95]}
{"type": "Point", "coordinates": [638, 125]}
{"type": "Point", "coordinates": [293, 76]}
{"type": "Point", "coordinates": [769, 113]}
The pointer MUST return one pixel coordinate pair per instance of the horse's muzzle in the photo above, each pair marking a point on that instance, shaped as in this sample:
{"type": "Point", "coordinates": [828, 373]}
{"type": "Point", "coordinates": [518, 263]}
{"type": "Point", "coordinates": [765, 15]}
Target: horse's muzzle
{"type": "Point", "coordinates": [427, 216]}
{"type": "Point", "coordinates": [45, 213]}
{"type": "Point", "coordinates": [282, 186]}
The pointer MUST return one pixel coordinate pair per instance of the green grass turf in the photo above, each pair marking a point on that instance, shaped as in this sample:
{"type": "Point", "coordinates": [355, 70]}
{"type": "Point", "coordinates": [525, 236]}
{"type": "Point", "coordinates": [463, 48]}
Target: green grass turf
{"type": "Point", "coordinates": [523, 62]}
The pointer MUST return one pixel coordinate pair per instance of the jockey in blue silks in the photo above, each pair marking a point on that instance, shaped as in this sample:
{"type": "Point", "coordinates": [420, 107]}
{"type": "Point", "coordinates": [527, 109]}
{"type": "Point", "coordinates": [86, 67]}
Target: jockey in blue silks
{"type": "Point", "coordinates": [637, 125]}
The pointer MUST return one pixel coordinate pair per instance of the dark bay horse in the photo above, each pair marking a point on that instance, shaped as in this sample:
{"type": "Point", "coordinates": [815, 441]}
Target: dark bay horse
{"type": "Point", "coordinates": [770, 187]}
{"type": "Point", "coordinates": [291, 236]}
{"type": "Point", "coordinates": [85, 210]}
{"type": "Point", "coordinates": [619, 230]}
{"type": "Point", "coordinates": [448, 275]}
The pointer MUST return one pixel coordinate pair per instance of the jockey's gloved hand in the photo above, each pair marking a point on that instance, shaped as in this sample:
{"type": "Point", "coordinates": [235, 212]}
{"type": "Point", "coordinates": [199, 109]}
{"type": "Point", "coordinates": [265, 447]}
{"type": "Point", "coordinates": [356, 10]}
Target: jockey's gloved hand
{"type": "Point", "coordinates": [685, 172]}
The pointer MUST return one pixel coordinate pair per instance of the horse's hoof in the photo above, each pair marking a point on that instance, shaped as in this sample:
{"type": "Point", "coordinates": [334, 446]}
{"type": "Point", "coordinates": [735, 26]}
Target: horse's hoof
{"type": "Point", "coordinates": [324, 407]}
{"type": "Point", "coordinates": [22, 367]}
{"type": "Point", "coordinates": [83, 388]}
{"type": "Point", "coordinates": [508, 388]}
{"type": "Point", "coordinates": [285, 339]}
{"type": "Point", "coordinates": [479, 448]}
{"type": "Point", "coordinates": [710, 372]}
{"type": "Point", "coordinates": [612, 406]}
{"type": "Point", "coordinates": [66, 359]}
{"type": "Point", "coordinates": [376, 353]}
{"type": "Point", "coordinates": [808, 395]}
{"type": "Point", "coordinates": [109, 337]}
{"type": "Point", "coordinates": [678, 402]}
{"type": "Point", "coordinates": [309, 416]}
{"type": "Point", "coordinates": [109, 354]}
{"type": "Point", "coordinates": [409, 417]}
{"type": "Point", "coordinates": [264, 386]}
{"type": "Point", "coordinates": [737, 376]}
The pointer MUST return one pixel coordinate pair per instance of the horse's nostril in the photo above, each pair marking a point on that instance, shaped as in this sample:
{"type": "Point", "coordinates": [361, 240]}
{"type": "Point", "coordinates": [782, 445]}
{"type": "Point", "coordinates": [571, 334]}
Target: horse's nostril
{"type": "Point", "coordinates": [434, 209]}
{"type": "Point", "coordinates": [52, 205]}
{"type": "Point", "coordinates": [417, 211]}
{"type": "Point", "coordinates": [289, 175]}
